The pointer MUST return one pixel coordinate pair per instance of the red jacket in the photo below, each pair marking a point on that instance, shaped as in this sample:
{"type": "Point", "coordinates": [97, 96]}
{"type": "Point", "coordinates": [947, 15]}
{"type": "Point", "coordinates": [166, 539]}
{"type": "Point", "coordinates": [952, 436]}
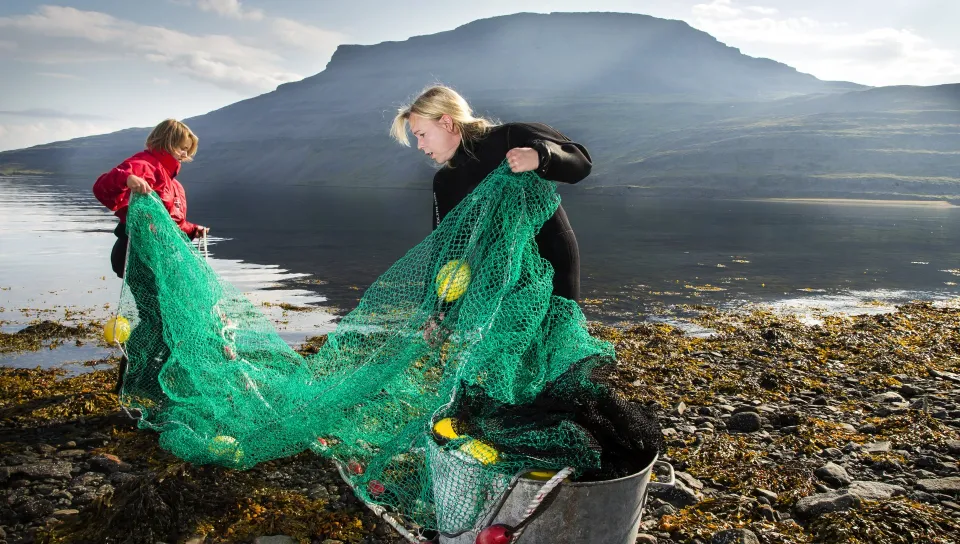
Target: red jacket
{"type": "Point", "coordinates": [157, 168]}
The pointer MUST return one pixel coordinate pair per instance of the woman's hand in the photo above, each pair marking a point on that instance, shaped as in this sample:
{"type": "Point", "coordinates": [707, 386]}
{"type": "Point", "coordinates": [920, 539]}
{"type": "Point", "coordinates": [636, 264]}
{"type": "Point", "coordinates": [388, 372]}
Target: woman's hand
{"type": "Point", "coordinates": [138, 185]}
{"type": "Point", "coordinates": [523, 159]}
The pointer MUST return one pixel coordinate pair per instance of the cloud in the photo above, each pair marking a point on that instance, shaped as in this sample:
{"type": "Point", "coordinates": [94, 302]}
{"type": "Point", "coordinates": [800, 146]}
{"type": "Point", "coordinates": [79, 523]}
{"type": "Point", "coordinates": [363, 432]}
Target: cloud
{"type": "Point", "coordinates": [830, 50]}
{"type": "Point", "coordinates": [59, 75]}
{"type": "Point", "coordinates": [304, 36]}
{"type": "Point", "coordinates": [51, 114]}
{"type": "Point", "coordinates": [63, 34]}
{"type": "Point", "coordinates": [230, 8]}
{"type": "Point", "coordinates": [25, 134]}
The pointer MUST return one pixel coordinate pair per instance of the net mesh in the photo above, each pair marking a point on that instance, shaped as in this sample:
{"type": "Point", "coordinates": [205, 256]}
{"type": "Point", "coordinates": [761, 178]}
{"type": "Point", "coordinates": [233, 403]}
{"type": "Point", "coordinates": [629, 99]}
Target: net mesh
{"type": "Point", "coordinates": [457, 370]}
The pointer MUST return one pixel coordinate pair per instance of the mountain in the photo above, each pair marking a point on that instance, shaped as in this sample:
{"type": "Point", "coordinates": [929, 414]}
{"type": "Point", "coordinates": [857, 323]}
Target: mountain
{"type": "Point", "coordinates": [661, 106]}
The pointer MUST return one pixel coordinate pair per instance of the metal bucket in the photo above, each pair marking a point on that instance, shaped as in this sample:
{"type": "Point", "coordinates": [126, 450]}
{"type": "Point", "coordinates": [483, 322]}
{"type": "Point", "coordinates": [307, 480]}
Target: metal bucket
{"type": "Point", "coordinates": [606, 512]}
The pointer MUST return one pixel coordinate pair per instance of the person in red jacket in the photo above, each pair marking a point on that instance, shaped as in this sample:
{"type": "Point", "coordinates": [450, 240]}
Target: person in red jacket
{"type": "Point", "coordinates": [170, 144]}
{"type": "Point", "coordinates": [154, 169]}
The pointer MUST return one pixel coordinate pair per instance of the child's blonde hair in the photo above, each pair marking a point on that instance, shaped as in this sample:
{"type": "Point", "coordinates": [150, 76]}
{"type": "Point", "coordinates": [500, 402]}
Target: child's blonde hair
{"type": "Point", "coordinates": [435, 102]}
{"type": "Point", "coordinates": [170, 135]}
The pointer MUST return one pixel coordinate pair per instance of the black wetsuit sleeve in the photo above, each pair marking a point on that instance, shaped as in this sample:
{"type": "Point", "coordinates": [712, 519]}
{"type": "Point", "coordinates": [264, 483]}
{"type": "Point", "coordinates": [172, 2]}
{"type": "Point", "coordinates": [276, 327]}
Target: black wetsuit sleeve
{"type": "Point", "coordinates": [561, 159]}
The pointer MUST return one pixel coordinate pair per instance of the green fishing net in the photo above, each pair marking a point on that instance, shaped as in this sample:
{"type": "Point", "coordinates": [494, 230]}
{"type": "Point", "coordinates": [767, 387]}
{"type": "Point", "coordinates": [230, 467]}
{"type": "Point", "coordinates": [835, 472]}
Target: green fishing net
{"type": "Point", "coordinates": [426, 394]}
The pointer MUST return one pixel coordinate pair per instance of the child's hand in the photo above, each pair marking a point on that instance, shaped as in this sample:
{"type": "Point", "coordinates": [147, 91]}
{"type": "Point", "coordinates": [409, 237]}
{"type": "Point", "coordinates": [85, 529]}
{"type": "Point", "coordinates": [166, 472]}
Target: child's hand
{"type": "Point", "coordinates": [202, 231]}
{"type": "Point", "coordinates": [138, 185]}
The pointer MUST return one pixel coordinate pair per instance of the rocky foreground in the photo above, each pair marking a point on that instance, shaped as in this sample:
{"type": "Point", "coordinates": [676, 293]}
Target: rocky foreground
{"type": "Point", "coordinates": [782, 432]}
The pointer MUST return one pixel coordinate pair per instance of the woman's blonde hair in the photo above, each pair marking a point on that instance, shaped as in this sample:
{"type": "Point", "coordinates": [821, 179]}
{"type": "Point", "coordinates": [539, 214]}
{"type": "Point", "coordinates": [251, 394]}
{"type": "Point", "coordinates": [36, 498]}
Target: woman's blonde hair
{"type": "Point", "coordinates": [170, 135]}
{"type": "Point", "coordinates": [435, 102]}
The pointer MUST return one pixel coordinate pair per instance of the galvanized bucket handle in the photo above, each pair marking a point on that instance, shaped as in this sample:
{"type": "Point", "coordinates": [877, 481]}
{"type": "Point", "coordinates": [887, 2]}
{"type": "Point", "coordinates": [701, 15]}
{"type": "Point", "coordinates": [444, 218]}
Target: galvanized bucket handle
{"type": "Point", "coordinates": [668, 484]}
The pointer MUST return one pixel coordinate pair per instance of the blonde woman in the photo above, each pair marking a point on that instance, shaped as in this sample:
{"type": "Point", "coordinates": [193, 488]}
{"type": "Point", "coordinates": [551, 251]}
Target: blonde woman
{"type": "Point", "coordinates": [170, 144]}
{"type": "Point", "coordinates": [470, 147]}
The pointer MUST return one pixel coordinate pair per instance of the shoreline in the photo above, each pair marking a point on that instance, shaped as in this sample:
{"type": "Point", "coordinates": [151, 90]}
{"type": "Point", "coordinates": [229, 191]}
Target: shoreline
{"type": "Point", "coordinates": [767, 421]}
{"type": "Point", "coordinates": [857, 201]}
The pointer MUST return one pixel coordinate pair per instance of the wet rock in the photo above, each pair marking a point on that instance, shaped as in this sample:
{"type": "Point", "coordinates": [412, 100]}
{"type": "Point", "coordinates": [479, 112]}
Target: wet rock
{"type": "Point", "coordinates": [735, 536]}
{"type": "Point", "coordinates": [875, 491]}
{"type": "Point", "coordinates": [746, 422]}
{"type": "Point", "coordinates": [947, 486]}
{"type": "Point", "coordinates": [922, 496]}
{"type": "Point", "coordinates": [823, 503]}
{"type": "Point", "coordinates": [119, 478]}
{"type": "Point", "coordinates": [34, 509]}
{"type": "Point", "coordinates": [666, 509]}
{"type": "Point", "coordinates": [832, 453]}
{"type": "Point", "coordinates": [868, 428]}
{"type": "Point", "coordinates": [41, 471]}
{"type": "Point", "coordinates": [679, 496]}
{"type": "Point", "coordinates": [108, 464]}
{"type": "Point", "coordinates": [878, 447]}
{"type": "Point", "coordinates": [833, 474]}
{"type": "Point", "coordinates": [70, 454]}
{"type": "Point", "coordinates": [765, 493]}
{"type": "Point", "coordinates": [887, 398]}
{"type": "Point", "coordinates": [690, 481]}
{"type": "Point", "coordinates": [277, 539]}
{"type": "Point", "coordinates": [66, 513]}
{"type": "Point", "coordinates": [910, 391]}
{"type": "Point", "coordinates": [949, 376]}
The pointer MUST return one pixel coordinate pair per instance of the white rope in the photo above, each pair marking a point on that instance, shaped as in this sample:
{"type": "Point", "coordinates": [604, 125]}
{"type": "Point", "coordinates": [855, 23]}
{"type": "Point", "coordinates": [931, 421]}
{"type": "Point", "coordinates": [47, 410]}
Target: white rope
{"type": "Point", "coordinates": [380, 511]}
{"type": "Point", "coordinates": [552, 483]}
{"type": "Point", "coordinates": [202, 243]}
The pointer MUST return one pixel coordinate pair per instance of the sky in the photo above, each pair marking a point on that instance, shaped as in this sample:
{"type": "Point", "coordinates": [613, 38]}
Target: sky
{"type": "Point", "coordinates": [76, 68]}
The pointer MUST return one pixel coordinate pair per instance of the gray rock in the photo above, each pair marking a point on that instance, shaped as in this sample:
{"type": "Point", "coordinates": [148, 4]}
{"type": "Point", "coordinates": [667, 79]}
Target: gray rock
{"type": "Point", "coordinates": [66, 513]}
{"type": "Point", "coordinates": [34, 509]}
{"type": "Point", "coordinates": [679, 496]}
{"type": "Point", "coordinates": [679, 409]}
{"type": "Point", "coordinates": [747, 422]}
{"type": "Point", "coordinates": [833, 474]}
{"type": "Point", "coordinates": [41, 471]}
{"type": "Point", "coordinates": [832, 453]}
{"type": "Point", "coordinates": [953, 446]}
{"type": "Point", "coordinates": [120, 478]}
{"type": "Point", "coordinates": [922, 496]}
{"type": "Point", "coordinates": [950, 504]}
{"type": "Point", "coordinates": [692, 482]}
{"type": "Point", "coordinates": [70, 454]}
{"type": "Point", "coordinates": [108, 464]}
{"type": "Point", "coordinates": [875, 491]}
{"type": "Point", "coordinates": [644, 538]}
{"type": "Point", "coordinates": [769, 495]}
{"type": "Point", "coordinates": [276, 539]}
{"type": "Point", "coordinates": [868, 428]}
{"type": "Point", "coordinates": [909, 391]}
{"type": "Point", "coordinates": [949, 376]}
{"type": "Point", "coordinates": [887, 398]}
{"type": "Point", "coordinates": [666, 510]}
{"type": "Point", "coordinates": [823, 503]}
{"type": "Point", "coordinates": [947, 486]}
{"type": "Point", "coordinates": [878, 447]}
{"type": "Point", "coordinates": [735, 536]}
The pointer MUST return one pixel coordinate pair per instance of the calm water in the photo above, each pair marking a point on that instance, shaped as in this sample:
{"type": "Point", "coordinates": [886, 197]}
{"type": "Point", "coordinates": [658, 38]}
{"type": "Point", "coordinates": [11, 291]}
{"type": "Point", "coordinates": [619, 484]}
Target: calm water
{"type": "Point", "coordinates": [640, 256]}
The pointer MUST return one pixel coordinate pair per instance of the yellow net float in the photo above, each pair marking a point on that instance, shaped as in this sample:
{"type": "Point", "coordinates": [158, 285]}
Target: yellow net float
{"type": "Point", "coordinates": [453, 280]}
{"type": "Point", "coordinates": [117, 329]}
